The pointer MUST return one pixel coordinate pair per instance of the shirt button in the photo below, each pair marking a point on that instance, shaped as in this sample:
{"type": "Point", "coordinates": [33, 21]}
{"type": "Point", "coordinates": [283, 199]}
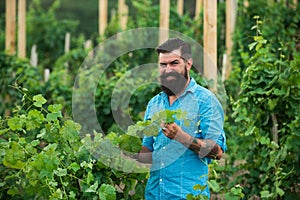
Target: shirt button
{"type": "Point", "coordinates": [160, 180]}
{"type": "Point", "coordinates": [162, 164]}
{"type": "Point", "coordinates": [164, 148]}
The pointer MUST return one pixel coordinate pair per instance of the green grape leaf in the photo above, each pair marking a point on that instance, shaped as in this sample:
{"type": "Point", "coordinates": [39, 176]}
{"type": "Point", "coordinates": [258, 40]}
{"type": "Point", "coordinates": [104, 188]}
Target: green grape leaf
{"type": "Point", "coordinates": [136, 130]}
{"type": "Point", "coordinates": [55, 112]}
{"type": "Point", "coordinates": [30, 149]}
{"type": "Point", "coordinates": [53, 116]}
{"type": "Point", "coordinates": [39, 100]}
{"type": "Point", "coordinates": [74, 166]}
{"type": "Point", "coordinates": [14, 156]}
{"type": "Point", "coordinates": [113, 138]}
{"type": "Point", "coordinates": [265, 194]}
{"type": "Point", "coordinates": [13, 191]}
{"type": "Point", "coordinates": [35, 142]}
{"type": "Point", "coordinates": [90, 177]}
{"type": "Point", "coordinates": [128, 165]}
{"type": "Point", "coordinates": [252, 45]}
{"type": "Point", "coordinates": [72, 195]}
{"type": "Point", "coordinates": [54, 108]}
{"type": "Point", "coordinates": [60, 172]}
{"type": "Point", "coordinates": [264, 140]}
{"type": "Point", "coordinates": [130, 143]}
{"type": "Point", "coordinates": [107, 192]}
{"type": "Point", "coordinates": [214, 185]}
{"type": "Point", "coordinates": [4, 131]}
{"type": "Point", "coordinates": [93, 188]}
{"type": "Point", "coordinates": [35, 119]}
{"type": "Point", "coordinates": [70, 130]}
{"type": "Point", "coordinates": [15, 123]}
{"type": "Point", "coordinates": [151, 129]}
{"type": "Point", "coordinates": [199, 187]}
{"type": "Point", "coordinates": [168, 116]}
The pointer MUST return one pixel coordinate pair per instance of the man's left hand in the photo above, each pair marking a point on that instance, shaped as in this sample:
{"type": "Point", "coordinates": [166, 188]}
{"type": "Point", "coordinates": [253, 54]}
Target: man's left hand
{"type": "Point", "coordinates": [170, 130]}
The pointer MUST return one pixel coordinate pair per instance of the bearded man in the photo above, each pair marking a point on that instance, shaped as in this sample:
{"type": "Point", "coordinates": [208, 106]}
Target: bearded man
{"type": "Point", "coordinates": [181, 151]}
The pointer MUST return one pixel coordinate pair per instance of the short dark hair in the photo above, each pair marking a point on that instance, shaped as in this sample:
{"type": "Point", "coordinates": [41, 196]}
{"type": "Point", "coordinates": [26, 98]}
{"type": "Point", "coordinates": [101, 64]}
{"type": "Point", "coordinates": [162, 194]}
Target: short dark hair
{"type": "Point", "coordinates": [173, 44]}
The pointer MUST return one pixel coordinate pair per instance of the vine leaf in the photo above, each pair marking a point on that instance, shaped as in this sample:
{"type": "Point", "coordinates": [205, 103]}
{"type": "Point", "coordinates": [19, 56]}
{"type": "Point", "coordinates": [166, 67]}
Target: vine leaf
{"type": "Point", "coordinates": [39, 100]}
{"type": "Point", "coordinates": [107, 192]}
{"type": "Point", "coordinates": [16, 123]}
{"type": "Point", "coordinates": [130, 143]}
{"type": "Point", "coordinates": [151, 127]}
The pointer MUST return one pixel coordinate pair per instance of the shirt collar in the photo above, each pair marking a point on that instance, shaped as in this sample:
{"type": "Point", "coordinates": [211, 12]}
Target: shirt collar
{"type": "Point", "coordinates": [191, 86]}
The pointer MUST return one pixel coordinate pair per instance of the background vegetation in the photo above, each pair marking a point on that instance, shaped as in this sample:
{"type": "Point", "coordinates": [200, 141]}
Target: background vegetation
{"type": "Point", "coordinates": [45, 155]}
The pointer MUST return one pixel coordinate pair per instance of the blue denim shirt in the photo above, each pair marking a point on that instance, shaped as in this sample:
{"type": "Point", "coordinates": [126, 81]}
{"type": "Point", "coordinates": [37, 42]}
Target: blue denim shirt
{"type": "Point", "coordinates": [176, 169]}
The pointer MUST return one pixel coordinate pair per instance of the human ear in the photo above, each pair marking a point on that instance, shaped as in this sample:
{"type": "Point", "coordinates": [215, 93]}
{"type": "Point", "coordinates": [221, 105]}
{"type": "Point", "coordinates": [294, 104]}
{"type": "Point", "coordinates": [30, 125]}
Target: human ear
{"type": "Point", "coordinates": [189, 63]}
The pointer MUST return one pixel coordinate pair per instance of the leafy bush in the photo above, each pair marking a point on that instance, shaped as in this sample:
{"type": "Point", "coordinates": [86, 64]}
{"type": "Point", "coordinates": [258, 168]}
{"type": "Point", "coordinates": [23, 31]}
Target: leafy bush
{"type": "Point", "coordinates": [267, 114]}
{"type": "Point", "coordinates": [48, 33]}
{"type": "Point", "coordinates": [44, 156]}
{"type": "Point", "coordinates": [14, 72]}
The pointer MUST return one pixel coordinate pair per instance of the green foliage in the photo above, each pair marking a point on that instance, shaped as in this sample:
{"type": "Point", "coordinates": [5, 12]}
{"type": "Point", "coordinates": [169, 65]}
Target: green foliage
{"type": "Point", "coordinates": [2, 33]}
{"type": "Point", "coordinates": [43, 157]}
{"type": "Point", "coordinates": [50, 34]}
{"type": "Point", "coordinates": [61, 81]}
{"type": "Point", "coordinates": [267, 112]}
{"type": "Point", "coordinates": [281, 31]}
{"type": "Point", "coordinates": [151, 127]}
{"type": "Point", "coordinates": [16, 73]}
{"type": "Point", "coordinates": [264, 100]}
{"type": "Point", "coordinates": [219, 188]}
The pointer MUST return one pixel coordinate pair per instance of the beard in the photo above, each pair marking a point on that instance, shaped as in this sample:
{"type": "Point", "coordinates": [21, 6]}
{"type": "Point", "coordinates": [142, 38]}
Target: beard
{"type": "Point", "coordinates": [174, 86]}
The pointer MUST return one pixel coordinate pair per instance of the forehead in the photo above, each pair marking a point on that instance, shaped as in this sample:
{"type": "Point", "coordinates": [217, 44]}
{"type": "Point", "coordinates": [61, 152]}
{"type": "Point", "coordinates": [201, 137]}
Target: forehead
{"type": "Point", "coordinates": [170, 56]}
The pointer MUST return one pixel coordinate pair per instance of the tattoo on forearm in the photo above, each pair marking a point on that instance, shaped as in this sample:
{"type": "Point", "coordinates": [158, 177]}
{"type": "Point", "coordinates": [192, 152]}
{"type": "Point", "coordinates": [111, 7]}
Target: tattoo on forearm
{"type": "Point", "coordinates": [195, 146]}
{"type": "Point", "coordinates": [207, 148]}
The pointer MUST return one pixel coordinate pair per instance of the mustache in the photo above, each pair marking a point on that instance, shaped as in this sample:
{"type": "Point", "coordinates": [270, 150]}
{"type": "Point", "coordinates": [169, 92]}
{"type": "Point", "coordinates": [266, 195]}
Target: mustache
{"type": "Point", "coordinates": [174, 73]}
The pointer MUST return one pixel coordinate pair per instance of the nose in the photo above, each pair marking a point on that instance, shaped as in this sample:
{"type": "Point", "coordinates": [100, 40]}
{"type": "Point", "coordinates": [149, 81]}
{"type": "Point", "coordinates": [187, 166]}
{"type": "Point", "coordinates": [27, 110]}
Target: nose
{"type": "Point", "coordinates": [169, 68]}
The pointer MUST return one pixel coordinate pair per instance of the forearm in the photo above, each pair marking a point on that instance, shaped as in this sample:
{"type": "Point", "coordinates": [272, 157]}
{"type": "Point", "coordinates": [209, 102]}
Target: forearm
{"type": "Point", "coordinates": [145, 155]}
{"type": "Point", "coordinates": [202, 147]}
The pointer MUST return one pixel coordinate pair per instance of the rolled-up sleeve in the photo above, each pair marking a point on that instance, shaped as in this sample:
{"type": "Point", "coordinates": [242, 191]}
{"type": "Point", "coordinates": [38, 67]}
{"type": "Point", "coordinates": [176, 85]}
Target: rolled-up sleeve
{"type": "Point", "coordinates": [148, 140]}
{"type": "Point", "coordinates": [212, 120]}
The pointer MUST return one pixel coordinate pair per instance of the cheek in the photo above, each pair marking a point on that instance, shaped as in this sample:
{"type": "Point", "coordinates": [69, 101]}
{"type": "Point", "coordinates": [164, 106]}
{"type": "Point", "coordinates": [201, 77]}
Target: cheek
{"type": "Point", "coordinates": [161, 71]}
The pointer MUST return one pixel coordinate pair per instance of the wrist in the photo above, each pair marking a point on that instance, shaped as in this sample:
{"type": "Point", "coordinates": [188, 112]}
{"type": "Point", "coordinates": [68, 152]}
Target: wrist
{"type": "Point", "coordinates": [183, 137]}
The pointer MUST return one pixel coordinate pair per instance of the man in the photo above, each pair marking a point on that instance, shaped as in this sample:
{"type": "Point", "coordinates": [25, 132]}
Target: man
{"type": "Point", "coordinates": [181, 151]}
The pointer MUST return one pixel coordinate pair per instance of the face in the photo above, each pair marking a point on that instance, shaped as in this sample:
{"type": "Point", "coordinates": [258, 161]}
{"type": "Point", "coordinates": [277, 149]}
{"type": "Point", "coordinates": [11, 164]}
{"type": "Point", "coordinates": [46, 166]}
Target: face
{"type": "Point", "coordinates": [174, 72]}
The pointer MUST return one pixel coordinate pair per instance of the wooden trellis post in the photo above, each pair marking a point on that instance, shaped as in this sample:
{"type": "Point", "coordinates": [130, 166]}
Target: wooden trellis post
{"type": "Point", "coordinates": [10, 26]}
{"type": "Point", "coordinates": [164, 15]}
{"type": "Point", "coordinates": [67, 42]}
{"type": "Point", "coordinates": [295, 2]}
{"type": "Point", "coordinates": [180, 6]}
{"type": "Point", "coordinates": [22, 28]}
{"type": "Point", "coordinates": [210, 42]}
{"type": "Point", "coordinates": [102, 22]}
{"type": "Point", "coordinates": [123, 13]}
{"type": "Point", "coordinates": [199, 6]}
{"type": "Point", "coordinates": [230, 24]}
{"type": "Point", "coordinates": [246, 3]}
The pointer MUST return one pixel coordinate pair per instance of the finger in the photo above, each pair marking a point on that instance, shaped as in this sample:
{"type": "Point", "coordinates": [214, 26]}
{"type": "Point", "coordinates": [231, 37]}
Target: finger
{"type": "Point", "coordinates": [164, 126]}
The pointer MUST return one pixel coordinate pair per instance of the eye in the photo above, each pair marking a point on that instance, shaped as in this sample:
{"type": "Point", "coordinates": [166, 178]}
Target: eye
{"type": "Point", "coordinates": [163, 65]}
{"type": "Point", "coordinates": [175, 62]}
